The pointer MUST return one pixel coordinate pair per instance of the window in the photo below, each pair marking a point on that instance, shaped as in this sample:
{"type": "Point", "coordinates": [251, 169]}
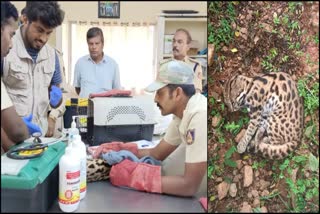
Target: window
{"type": "Point", "coordinates": [130, 45]}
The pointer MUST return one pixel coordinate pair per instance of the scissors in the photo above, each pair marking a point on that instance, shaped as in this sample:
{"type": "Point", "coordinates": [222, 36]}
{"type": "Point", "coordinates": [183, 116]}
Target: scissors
{"type": "Point", "coordinates": [28, 152]}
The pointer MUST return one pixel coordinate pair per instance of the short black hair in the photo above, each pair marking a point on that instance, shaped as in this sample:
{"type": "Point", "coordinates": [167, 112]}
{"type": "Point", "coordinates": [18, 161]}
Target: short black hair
{"type": "Point", "coordinates": [93, 32]}
{"type": "Point", "coordinates": [48, 12]}
{"type": "Point", "coordinates": [8, 10]}
{"type": "Point", "coordinates": [188, 90]}
{"type": "Point", "coordinates": [23, 11]}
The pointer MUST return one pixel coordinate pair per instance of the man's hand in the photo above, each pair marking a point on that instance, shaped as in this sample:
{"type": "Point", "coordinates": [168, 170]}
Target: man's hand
{"type": "Point", "coordinates": [31, 126]}
{"type": "Point", "coordinates": [51, 126]}
{"type": "Point", "coordinates": [55, 96]}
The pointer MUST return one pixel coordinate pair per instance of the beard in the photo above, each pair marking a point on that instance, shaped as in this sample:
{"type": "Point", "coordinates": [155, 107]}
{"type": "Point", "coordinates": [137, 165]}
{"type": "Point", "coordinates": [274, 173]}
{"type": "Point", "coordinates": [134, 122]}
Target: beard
{"type": "Point", "coordinates": [31, 43]}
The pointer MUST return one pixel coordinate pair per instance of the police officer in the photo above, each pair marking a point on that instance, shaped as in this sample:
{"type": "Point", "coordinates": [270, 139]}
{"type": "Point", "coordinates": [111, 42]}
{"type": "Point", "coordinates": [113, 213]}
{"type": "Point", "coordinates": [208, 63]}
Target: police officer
{"type": "Point", "coordinates": [183, 149]}
{"type": "Point", "coordinates": [180, 47]}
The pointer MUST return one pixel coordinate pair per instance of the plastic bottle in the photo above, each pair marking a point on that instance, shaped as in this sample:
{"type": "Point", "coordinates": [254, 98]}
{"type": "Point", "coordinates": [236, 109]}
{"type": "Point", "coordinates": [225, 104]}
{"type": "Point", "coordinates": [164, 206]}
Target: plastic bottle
{"type": "Point", "coordinates": [69, 181]}
{"type": "Point", "coordinates": [80, 148]}
{"type": "Point", "coordinates": [73, 130]}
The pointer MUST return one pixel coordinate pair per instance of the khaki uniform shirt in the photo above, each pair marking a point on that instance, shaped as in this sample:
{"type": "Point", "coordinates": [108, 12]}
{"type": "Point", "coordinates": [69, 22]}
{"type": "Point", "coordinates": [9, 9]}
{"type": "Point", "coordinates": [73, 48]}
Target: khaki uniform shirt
{"type": "Point", "coordinates": [191, 130]}
{"type": "Point", "coordinates": [197, 69]}
{"type": "Point", "coordinates": [5, 99]}
{"type": "Point", "coordinates": [27, 82]}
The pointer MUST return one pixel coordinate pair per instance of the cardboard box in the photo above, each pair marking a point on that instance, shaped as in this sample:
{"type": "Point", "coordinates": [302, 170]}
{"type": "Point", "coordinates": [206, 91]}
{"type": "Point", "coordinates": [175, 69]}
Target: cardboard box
{"type": "Point", "coordinates": [194, 48]}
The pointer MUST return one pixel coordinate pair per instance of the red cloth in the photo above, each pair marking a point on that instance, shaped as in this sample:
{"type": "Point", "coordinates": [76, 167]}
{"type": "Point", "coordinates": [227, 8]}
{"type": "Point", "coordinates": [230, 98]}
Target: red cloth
{"type": "Point", "coordinates": [204, 203]}
{"type": "Point", "coordinates": [139, 176]}
{"type": "Point", "coordinates": [114, 146]}
{"type": "Point", "coordinates": [111, 93]}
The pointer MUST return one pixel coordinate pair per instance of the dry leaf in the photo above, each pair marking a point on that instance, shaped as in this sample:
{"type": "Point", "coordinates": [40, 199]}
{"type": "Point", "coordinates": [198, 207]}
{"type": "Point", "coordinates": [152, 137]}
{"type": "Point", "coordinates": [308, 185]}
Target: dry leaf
{"type": "Point", "coordinates": [275, 15]}
{"type": "Point", "coordinates": [237, 33]}
{"type": "Point", "coordinates": [244, 30]}
{"type": "Point", "coordinates": [233, 50]}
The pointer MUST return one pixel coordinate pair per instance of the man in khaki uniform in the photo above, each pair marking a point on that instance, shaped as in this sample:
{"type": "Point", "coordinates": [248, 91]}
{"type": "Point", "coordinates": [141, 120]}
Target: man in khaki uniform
{"type": "Point", "coordinates": [13, 130]}
{"type": "Point", "coordinates": [180, 48]}
{"type": "Point", "coordinates": [185, 174]}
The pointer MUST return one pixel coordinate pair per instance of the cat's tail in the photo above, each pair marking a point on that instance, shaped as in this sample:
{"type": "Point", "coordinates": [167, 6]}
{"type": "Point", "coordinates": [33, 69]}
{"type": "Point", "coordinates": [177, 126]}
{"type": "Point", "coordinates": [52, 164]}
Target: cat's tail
{"type": "Point", "coordinates": [276, 152]}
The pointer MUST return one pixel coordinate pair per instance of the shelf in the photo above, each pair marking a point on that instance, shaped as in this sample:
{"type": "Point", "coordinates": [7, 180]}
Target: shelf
{"type": "Point", "coordinates": [191, 56]}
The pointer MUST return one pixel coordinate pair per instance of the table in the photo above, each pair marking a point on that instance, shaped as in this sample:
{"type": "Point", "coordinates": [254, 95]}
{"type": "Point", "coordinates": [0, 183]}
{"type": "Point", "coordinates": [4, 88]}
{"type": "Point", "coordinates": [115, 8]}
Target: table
{"type": "Point", "coordinates": [102, 196]}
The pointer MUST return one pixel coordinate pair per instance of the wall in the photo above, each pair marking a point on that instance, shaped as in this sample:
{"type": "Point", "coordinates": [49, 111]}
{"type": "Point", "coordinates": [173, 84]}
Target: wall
{"type": "Point", "coordinates": [136, 11]}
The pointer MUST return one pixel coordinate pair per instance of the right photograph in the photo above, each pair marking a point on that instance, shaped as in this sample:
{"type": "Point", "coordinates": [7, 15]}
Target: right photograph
{"type": "Point", "coordinates": [263, 106]}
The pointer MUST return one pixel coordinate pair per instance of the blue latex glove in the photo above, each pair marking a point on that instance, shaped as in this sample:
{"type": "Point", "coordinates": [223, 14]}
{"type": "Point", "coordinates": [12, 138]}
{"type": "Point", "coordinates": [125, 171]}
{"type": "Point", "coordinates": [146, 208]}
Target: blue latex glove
{"type": "Point", "coordinates": [31, 126]}
{"type": "Point", "coordinates": [55, 96]}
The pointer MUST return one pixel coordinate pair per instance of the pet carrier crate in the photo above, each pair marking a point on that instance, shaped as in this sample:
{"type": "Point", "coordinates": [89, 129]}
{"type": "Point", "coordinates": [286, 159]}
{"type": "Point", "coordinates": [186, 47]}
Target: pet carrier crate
{"type": "Point", "coordinates": [122, 119]}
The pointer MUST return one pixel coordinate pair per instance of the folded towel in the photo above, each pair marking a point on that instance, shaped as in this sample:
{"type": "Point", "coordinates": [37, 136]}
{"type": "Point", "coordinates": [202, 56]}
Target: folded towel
{"type": "Point", "coordinates": [113, 157]}
{"type": "Point", "coordinates": [111, 93]}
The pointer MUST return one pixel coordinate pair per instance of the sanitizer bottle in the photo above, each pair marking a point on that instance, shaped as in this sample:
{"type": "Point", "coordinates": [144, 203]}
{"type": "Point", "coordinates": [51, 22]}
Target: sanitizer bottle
{"type": "Point", "coordinates": [73, 130]}
{"type": "Point", "coordinates": [69, 181]}
{"type": "Point", "coordinates": [80, 148]}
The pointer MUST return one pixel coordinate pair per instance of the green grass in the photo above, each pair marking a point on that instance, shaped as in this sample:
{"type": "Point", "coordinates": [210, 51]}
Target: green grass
{"type": "Point", "coordinates": [221, 33]}
{"type": "Point", "coordinates": [227, 157]}
{"type": "Point", "coordinates": [234, 127]}
{"type": "Point", "coordinates": [310, 94]}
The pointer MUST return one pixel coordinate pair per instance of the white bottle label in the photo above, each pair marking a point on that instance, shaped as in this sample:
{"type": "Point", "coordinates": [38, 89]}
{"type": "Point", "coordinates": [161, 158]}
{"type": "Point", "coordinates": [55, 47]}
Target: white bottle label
{"type": "Point", "coordinates": [69, 192]}
{"type": "Point", "coordinates": [83, 174]}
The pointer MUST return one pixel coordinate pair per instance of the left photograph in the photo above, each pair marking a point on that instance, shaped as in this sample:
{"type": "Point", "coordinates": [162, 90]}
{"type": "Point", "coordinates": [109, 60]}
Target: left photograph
{"type": "Point", "coordinates": [103, 106]}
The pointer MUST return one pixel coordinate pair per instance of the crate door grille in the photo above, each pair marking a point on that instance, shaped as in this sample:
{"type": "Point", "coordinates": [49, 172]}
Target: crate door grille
{"type": "Point", "coordinates": [122, 110]}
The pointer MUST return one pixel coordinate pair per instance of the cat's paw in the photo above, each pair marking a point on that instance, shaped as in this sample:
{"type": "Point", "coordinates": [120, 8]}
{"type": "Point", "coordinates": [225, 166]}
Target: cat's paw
{"type": "Point", "coordinates": [241, 147]}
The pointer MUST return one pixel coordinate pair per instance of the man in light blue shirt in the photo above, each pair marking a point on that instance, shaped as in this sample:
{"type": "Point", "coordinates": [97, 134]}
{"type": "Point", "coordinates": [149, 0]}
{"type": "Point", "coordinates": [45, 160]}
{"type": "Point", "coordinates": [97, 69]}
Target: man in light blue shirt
{"type": "Point", "coordinates": [95, 72]}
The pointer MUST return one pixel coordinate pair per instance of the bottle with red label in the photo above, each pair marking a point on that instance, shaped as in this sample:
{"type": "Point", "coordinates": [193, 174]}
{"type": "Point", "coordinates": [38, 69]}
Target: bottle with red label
{"type": "Point", "coordinates": [80, 149]}
{"type": "Point", "coordinates": [69, 181]}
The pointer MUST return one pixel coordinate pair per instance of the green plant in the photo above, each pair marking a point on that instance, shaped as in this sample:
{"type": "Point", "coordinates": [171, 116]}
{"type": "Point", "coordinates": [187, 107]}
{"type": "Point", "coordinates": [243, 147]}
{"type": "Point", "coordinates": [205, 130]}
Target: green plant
{"type": "Point", "coordinates": [292, 6]}
{"type": "Point", "coordinates": [283, 166]}
{"type": "Point", "coordinates": [227, 157]}
{"type": "Point", "coordinates": [272, 53]}
{"type": "Point", "coordinates": [276, 20]}
{"type": "Point", "coordinates": [210, 170]}
{"type": "Point", "coordinates": [316, 39]}
{"type": "Point", "coordinates": [233, 127]}
{"type": "Point", "coordinates": [257, 164]}
{"type": "Point", "coordinates": [221, 33]}
{"type": "Point", "coordinates": [268, 66]}
{"type": "Point", "coordinates": [309, 94]}
{"type": "Point", "coordinates": [268, 197]}
{"type": "Point", "coordinates": [211, 101]}
{"type": "Point", "coordinates": [214, 169]}
{"type": "Point", "coordinates": [285, 19]}
{"type": "Point", "coordinates": [303, 191]}
{"type": "Point", "coordinates": [284, 58]}
{"type": "Point", "coordinates": [293, 26]}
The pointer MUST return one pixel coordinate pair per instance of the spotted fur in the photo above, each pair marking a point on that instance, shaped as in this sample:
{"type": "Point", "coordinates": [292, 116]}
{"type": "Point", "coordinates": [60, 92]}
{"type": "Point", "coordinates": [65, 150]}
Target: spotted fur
{"type": "Point", "coordinates": [275, 110]}
{"type": "Point", "coordinates": [97, 170]}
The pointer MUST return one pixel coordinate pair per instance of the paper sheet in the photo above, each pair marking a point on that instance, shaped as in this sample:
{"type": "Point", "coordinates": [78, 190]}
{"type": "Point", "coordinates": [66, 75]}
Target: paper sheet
{"type": "Point", "coordinates": [11, 166]}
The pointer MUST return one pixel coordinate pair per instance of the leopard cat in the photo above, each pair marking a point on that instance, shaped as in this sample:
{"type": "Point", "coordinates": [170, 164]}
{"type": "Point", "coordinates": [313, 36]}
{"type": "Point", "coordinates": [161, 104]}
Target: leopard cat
{"type": "Point", "coordinates": [275, 111]}
{"type": "Point", "coordinates": [97, 170]}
